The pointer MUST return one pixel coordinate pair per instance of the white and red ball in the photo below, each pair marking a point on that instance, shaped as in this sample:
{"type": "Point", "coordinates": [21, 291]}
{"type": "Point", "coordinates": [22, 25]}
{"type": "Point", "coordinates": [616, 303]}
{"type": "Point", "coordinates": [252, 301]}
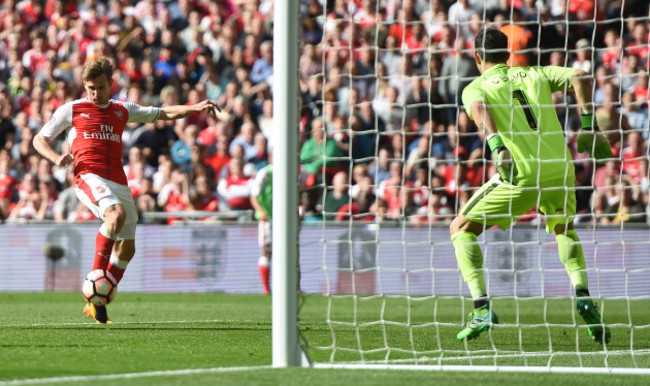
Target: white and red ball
{"type": "Point", "coordinates": [99, 287]}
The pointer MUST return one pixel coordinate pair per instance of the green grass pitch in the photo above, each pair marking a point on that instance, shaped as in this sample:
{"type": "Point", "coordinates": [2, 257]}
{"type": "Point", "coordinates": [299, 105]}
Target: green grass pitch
{"type": "Point", "coordinates": [182, 339]}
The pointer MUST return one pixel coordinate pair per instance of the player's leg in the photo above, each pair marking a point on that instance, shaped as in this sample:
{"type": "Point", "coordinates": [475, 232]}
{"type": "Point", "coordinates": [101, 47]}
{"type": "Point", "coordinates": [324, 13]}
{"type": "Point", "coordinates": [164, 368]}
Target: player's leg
{"type": "Point", "coordinates": [96, 195]}
{"type": "Point", "coordinates": [114, 217]}
{"type": "Point", "coordinates": [559, 206]}
{"type": "Point", "coordinates": [124, 248]}
{"type": "Point", "coordinates": [495, 203]}
{"type": "Point", "coordinates": [469, 256]}
{"type": "Point", "coordinates": [264, 262]}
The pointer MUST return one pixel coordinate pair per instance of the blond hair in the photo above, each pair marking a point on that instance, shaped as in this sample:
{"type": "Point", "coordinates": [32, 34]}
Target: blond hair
{"type": "Point", "coordinates": [97, 68]}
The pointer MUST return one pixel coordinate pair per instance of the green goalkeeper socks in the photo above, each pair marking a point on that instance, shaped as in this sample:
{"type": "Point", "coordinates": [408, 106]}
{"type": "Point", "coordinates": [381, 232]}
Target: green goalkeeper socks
{"type": "Point", "coordinates": [570, 250]}
{"type": "Point", "coordinates": [470, 262]}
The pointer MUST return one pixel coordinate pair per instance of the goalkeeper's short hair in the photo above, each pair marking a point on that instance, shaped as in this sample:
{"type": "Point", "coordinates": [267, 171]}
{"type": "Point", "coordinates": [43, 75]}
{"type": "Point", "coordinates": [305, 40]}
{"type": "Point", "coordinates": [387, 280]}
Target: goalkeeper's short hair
{"type": "Point", "coordinates": [492, 46]}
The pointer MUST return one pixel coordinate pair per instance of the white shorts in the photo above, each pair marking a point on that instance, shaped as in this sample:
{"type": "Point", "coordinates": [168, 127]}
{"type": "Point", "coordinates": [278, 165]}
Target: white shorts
{"type": "Point", "coordinates": [98, 194]}
{"type": "Point", "coordinates": [264, 235]}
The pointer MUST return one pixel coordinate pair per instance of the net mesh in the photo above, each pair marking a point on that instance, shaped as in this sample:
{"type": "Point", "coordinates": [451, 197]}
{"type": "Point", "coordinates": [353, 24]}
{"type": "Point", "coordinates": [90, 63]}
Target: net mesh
{"type": "Point", "coordinates": [389, 155]}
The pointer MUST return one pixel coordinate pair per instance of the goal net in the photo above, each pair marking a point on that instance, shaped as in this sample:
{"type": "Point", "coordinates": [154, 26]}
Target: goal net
{"type": "Point", "coordinates": [380, 285]}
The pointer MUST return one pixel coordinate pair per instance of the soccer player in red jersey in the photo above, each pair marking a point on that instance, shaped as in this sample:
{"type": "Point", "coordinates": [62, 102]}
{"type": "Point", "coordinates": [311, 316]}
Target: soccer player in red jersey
{"type": "Point", "coordinates": [94, 127]}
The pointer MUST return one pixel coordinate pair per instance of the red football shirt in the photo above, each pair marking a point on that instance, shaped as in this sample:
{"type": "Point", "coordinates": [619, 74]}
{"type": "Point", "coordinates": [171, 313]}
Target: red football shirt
{"type": "Point", "coordinates": [95, 134]}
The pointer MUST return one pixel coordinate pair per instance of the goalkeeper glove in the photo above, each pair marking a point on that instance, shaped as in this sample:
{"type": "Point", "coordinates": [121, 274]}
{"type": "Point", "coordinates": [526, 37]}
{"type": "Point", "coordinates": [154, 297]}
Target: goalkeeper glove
{"type": "Point", "coordinates": [505, 163]}
{"type": "Point", "coordinates": [593, 139]}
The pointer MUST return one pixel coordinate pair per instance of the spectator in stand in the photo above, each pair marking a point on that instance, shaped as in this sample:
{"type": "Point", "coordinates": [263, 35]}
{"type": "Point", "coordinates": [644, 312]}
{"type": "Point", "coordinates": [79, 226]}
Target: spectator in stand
{"type": "Point", "coordinates": [420, 187]}
{"type": "Point", "coordinates": [336, 196]}
{"type": "Point", "coordinates": [632, 153]}
{"type": "Point", "coordinates": [611, 55]}
{"type": "Point", "coordinates": [36, 204]}
{"type": "Point", "coordinates": [180, 150]}
{"type": "Point", "coordinates": [135, 180]}
{"type": "Point", "coordinates": [629, 74]}
{"type": "Point", "coordinates": [583, 56]}
{"type": "Point", "coordinates": [316, 149]}
{"type": "Point", "coordinates": [519, 39]}
{"type": "Point", "coordinates": [628, 209]}
{"type": "Point", "coordinates": [234, 191]}
{"type": "Point", "coordinates": [310, 62]}
{"type": "Point", "coordinates": [203, 196]}
{"type": "Point", "coordinates": [460, 14]}
{"type": "Point", "coordinates": [263, 68]}
{"type": "Point", "coordinates": [610, 121]}
{"type": "Point", "coordinates": [156, 140]}
{"type": "Point", "coordinates": [198, 165]}
{"type": "Point", "coordinates": [379, 170]}
{"type": "Point", "coordinates": [220, 158]}
{"type": "Point", "coordinates": [419, 157]}
{"type": "Point", "coordinates": [261, 159]}
{"type": "Point", "coordinates": [635, 112]}
{"type": "Point", "coordinates": [389, 191]}
{"type": "Point", "coordinates": [135, 156]}
{"type": "Point", "coordinates": [174, 196]}
{"type": "Point", "coordinates": [7, 186]}
{"type": "Point", "coordinates": [639, 44]}
{"type": "Point", "coordinates": [246, 139]}
{"type": "Point", "coordinates": [146, 200]}
{"type": "Point", "coordinates": [65, 207]}
{"type": "Point", "coordinates": [641, 93]}
{"type": "Point", "coordinates": [458, 70]}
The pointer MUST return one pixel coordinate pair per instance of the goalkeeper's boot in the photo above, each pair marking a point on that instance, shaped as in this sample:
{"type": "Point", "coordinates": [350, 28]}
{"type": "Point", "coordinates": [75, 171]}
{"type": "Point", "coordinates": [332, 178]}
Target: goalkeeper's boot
{"type": "Point", "coordinates": [97, 312]}
{"type": "Point", "coordinates": [598, 331]}
{"type": "Point", "coordinates": [478, 321]}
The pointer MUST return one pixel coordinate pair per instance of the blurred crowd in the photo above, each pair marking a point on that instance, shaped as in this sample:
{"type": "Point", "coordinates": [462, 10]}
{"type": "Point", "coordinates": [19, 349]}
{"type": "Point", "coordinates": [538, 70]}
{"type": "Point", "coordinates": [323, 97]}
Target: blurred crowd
{"type": "Point", "coordinates": [383, 133]}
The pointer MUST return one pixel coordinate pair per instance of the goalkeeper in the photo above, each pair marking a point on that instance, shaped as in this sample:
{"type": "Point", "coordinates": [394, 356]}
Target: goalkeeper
{"type": "Point", "coordinates": [514, 109]}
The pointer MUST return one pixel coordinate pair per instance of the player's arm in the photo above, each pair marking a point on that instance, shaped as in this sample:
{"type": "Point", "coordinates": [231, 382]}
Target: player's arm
{"type": "Point", "coordinates": [61, 119]}
{"type": "Point", "coordinates": [590, 136]}
{"type": "Point", "coordinates": [260, 181]}
{"type": "Point", "coordinates": [44, 147]}
{"type": "Point", "coordinates": [168, 113]}
{"type": "Point", "coordinates": [258, 208]}
{"type": "Point", "coordinates": [503, 157]}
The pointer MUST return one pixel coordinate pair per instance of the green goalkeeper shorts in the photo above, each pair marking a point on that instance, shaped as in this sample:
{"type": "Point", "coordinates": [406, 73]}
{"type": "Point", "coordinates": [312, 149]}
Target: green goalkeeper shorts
{"type": "Point", "coordinates": [499, 203]}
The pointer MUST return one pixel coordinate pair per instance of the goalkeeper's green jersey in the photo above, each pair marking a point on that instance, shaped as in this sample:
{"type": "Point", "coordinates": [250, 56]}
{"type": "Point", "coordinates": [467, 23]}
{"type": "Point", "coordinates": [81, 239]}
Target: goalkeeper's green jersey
{"type": "Point", "coordinates": [520, 100]}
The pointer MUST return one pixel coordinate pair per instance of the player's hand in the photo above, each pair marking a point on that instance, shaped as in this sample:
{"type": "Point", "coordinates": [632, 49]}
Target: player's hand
{"type": "Point", "coordinates": [65, 160]}
{"type": "Point", "coordinates": [208, 106]}
{"type": "Point", "coordinates": [505, 164]}
{"type": "Point", "coordinates": [592, 139]}
{"type": "Point", "coordinates": [263, 216]}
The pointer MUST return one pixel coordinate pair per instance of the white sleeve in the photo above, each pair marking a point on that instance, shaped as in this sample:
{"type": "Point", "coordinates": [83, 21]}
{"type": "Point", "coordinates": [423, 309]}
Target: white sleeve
{"type": "Point", "coordinates": [61, 120]}
{"type": "Point", "coordinates": [139, 113]}
{"type": "Point", "coordinates": [261, 179]}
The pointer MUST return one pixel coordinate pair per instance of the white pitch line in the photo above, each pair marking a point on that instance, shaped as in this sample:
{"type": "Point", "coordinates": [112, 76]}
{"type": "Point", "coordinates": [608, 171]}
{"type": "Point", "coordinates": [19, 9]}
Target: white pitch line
{"type": "Point", "coordinates": [511, 355]}
{"type": "Point", "coordinates": [89, 378]}
{"type": "Point", "coordinates": [119, 323]}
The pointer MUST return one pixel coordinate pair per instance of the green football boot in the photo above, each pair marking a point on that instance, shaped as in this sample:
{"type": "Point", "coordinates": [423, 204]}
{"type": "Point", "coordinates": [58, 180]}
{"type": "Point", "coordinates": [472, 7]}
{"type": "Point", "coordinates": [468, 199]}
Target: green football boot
{"type": "Point", "coordinates": [598, 331]}
{"type": "Point", "coordinates": [478, 321]}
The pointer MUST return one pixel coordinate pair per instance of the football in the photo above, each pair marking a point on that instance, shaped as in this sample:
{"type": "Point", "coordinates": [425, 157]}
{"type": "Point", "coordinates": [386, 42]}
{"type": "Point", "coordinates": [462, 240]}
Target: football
{"type": "Point", "coordinates": [99, 287]}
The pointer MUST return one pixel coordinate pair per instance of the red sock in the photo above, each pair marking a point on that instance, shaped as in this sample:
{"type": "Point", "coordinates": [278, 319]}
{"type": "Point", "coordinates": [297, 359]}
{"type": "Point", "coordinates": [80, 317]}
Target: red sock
{"type": "Point", "coordinates": [103, 249]}
{"type": "Point", "coordinates": [116, 271]}
{"type": "Point", "coordinates": [263, 267]}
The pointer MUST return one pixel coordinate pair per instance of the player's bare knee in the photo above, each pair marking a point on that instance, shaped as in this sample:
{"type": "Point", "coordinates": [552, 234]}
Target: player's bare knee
{"type": "Point", "coordinates": [114, 217]}
{"type": "Point", "coordinates": [457, 225]}
{"type": "Point", "coordinates": [462, 224]}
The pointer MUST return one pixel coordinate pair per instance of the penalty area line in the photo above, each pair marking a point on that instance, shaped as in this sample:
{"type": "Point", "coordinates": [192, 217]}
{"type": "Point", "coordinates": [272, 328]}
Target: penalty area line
{"type": "Point", "coordinates": [166, 373]}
